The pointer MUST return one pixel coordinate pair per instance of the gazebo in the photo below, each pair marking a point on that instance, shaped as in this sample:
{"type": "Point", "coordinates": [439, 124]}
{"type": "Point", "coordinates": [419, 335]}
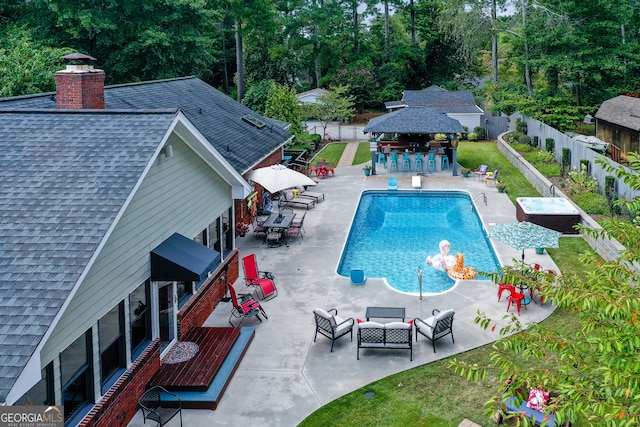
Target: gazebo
{"type": "Point", "coordinates": [411, 128]}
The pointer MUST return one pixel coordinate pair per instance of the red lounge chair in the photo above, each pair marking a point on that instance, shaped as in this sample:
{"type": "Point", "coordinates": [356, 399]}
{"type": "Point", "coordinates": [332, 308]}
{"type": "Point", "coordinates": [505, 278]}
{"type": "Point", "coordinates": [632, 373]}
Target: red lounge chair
{"type": "Point", "coordinates": [262, 280]}
{"type": "Point", "coordinates": [246, 307]}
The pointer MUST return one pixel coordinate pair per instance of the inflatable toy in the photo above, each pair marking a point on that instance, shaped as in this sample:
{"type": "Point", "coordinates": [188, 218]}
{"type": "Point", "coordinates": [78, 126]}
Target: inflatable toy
{"type": "Point", "coordinates": [443, 261]}
{"type": "Point", "coordinates": [460, 272]}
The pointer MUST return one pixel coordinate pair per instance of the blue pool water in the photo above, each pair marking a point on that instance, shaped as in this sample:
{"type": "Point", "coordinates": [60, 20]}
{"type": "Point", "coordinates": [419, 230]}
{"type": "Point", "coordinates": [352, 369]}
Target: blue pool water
{"type": "Point", "coordinates": [393, 232]}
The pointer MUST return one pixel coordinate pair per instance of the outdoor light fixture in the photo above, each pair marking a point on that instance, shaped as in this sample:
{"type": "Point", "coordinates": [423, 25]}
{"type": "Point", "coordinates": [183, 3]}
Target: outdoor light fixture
{"type": "Point", "coordinates": [167, 151]}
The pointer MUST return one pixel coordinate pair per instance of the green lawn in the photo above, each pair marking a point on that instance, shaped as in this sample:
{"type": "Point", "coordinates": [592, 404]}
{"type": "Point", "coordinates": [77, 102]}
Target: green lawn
{"type": "Point", "coordinates": [433, 395]}
{"type": "Point", "coordinates": [332, 152]}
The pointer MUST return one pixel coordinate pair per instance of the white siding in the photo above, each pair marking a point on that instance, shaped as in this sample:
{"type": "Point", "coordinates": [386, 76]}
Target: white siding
{"type": "Point", "coordinates": [470, 120]}
{"type": "Point", "coordinates": [180, 194]}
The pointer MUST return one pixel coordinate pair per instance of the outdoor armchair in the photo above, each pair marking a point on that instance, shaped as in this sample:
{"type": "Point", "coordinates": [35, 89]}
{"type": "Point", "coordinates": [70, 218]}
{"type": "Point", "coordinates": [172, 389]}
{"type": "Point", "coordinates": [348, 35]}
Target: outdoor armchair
{"type": "Point", "coordinates": [157, 408]}
{"type": "Point", "coordinates": [329, 324]}
{"type": "Point", "coordinates": [439, 325]}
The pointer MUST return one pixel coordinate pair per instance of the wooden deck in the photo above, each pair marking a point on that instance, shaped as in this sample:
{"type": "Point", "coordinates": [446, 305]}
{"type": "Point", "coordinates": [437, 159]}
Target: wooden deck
{"type": "Point", "coordinates": [198, 373]}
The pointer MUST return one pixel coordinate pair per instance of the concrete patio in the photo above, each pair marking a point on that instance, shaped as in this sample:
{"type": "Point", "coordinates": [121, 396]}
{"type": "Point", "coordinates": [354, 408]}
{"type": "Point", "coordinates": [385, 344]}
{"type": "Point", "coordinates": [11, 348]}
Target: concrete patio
{"type": "Point", "coordinates": [284, 375]}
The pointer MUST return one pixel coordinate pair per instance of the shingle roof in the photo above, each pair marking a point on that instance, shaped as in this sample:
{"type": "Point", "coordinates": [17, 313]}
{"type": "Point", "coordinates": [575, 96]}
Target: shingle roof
{"type": "Point", "coordinates": [217, 116]}
{"type": "Point", "coordinates": [413, 120]}
{"type": "Point", "coordinates": [461, 101]}
{"type": "Point", "coordinates": [63, 184]}
{"type": "Point", "coordinates": [621, 110]}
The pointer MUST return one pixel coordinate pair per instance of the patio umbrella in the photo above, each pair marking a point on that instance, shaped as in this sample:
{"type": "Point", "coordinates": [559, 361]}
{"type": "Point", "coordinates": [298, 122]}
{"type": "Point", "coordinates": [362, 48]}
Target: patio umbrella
{"type": "Point", "coordinates": [279, 177]}
{"type": "Point", "coordinates": [524, 235]}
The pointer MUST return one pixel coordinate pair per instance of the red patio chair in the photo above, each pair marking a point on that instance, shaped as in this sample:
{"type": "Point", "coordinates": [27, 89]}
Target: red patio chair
{"type": "Point", "coordinates": [262, 280]}
{"type": "Point", "coordinates": [246, 307]}
{"type": "Point", "coordinates": [505, 287]}
{"type": "Point", "coordinates": [518, 299]}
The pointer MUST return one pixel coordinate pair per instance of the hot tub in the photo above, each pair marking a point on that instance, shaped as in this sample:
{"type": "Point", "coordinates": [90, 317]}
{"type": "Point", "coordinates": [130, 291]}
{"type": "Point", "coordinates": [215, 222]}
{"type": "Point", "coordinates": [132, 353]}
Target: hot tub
{"type": "Point", "coordinates": [556, 213]}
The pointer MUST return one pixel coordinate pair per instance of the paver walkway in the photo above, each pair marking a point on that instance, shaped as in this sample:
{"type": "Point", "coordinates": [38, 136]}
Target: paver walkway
{"type": "Point", "coordinates": [348, 154]}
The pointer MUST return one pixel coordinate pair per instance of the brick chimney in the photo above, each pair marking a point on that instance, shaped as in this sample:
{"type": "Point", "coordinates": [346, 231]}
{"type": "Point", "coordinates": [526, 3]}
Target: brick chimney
{"type": "Point", "coordinates": [80, 86]}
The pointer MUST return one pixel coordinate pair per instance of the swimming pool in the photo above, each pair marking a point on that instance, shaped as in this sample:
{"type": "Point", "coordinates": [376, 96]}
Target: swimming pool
{"type": "Point", "coordinates": [393, 232]}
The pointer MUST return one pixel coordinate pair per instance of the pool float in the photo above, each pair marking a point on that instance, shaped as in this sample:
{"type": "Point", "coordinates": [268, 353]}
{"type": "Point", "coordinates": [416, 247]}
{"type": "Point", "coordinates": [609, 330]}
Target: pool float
{"type": "Point", "coordinates": [443, 261]}
{"type": "Point", "coordinates": [460, 272]}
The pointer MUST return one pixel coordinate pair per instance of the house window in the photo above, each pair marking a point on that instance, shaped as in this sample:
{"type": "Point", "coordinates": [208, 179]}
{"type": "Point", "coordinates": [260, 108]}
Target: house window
{"type": "Point", "coordinates": [140, 318]}
{"type": "Point", "coordinates": [214, 236]}
{"type": "Point", "coordinates": [111, 335]}
{"type": "Point", "coordinates": [76, 375]}
{"type": "Point", "coordinates": [42, 393]}
{"type": "Point", "coordinates": [185, 291]}
{"type": "Point", "coordinates": [202, 238]}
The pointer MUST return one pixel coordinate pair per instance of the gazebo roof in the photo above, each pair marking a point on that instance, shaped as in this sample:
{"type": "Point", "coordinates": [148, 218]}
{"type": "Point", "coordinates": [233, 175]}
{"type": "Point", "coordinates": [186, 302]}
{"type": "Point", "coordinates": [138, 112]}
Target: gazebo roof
{"type": "Point", "coordinates": [414, 120]}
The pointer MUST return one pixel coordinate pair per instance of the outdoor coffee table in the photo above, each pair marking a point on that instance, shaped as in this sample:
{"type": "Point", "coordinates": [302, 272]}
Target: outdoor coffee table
{"type": "Point", "coordinates": [385, 313]}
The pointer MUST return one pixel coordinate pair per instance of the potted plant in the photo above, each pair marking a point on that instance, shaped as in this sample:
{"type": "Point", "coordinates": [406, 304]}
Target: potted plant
{"type": "Point", "coordinates": [367, 169]}
{"type": "Point", "coordinates": [465, 172]}
{"type": "Point", "coordinates": [242, 228]}
{"type": "Point", "coordinates": [501, 186]}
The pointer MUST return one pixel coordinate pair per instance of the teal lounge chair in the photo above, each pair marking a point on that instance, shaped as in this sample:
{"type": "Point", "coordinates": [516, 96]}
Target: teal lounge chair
{"type": "Point", "coordinates": [393, 183]}
{"type": "Point", "coordinates": [357, 276]}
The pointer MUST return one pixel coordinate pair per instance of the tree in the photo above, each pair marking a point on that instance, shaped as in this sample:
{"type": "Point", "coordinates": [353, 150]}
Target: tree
{"type": "Point", "coordinates": [27, 67]}
{"type": "Point", "coordinates": [257, 95]}
{"type": "Point", "coordinates": [332, 106]}
{"type": "Point", "coordinates": [596, 371]}
{"type": "Point", "coordinates": [282, 104]}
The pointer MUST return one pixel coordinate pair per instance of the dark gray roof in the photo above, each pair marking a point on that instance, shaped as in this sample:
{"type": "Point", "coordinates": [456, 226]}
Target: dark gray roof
{"type": "Point", "coordinates": [63, 183]}
{"type": "Point", "coordinates": [413, 120]}
{"type": "Point", "coordinates": [217, 116]}
{"type": "Point", "coordinates": [441, 100]}
{"type": "Point", "coordinates": [621, 110]}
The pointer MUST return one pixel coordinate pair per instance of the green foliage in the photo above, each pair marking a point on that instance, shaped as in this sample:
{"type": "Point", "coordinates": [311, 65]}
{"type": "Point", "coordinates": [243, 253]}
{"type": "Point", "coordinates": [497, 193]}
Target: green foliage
{"type": "Point", "coordinates": [586, 164]}
{"type": "Point", "coordinates": [548, 144]}
{"type": "Point", "coordinates": [332, 106]}
{"type": "Point", "coordinates": [581, 181]}
{"type": "Point", "coordinates": [472, 136]}
{"type": "Point", "coordinates": [282, 104]}
{"type": "Point", "coordinates": [481, 131]}
{"type": "Point", "coordinates": [360, 86]}
{"type": "Point", "coordinates": [256, 96]}
{"type": "Point", "coordinates": [593, 204]}
{"type": "Point", "coordinates": [27, 66]}
{"type": "Point", "coordinates": [523, 148]}
{"type": "Point", "coordinates": [566, 156]}
{"type": "Point", "coordinates": [440, 137]}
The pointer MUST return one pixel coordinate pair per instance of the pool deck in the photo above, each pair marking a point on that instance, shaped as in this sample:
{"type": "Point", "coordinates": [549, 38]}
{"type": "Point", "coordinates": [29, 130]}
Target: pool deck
{"type": "Point", "coordinates": [284, 375]}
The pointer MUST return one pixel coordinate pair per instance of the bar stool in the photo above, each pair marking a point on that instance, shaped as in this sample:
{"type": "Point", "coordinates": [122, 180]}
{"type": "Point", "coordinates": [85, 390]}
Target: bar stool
{"type": "Point", "coordinates": [431, 162]}
{"type": "Point", "coordinates": [382, 160]}
{"type": "Point", "coordinates": [406, 161]}
{"type": "Point", "coordinates": [445, 162]}
{"type": "Point", "coordinates": [418, 160]}
{"type": "Point", "coordinates": [393, 161]}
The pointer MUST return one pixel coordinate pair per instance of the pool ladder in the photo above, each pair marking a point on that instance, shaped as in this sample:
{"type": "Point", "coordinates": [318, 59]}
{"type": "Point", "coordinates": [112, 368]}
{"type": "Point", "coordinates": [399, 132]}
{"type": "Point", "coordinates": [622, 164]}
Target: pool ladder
{"type": "Point", "coordinates": [484, 197]}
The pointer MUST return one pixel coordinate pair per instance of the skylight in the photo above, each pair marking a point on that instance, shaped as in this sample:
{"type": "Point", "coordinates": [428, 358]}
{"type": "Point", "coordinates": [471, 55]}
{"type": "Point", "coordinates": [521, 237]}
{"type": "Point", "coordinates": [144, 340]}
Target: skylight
{"type": "Point", "coordinates": [253, 121]}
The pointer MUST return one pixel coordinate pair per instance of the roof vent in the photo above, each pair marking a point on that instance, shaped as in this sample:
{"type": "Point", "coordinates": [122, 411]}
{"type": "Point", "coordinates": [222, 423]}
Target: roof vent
{"type": "Point", "coordinates": [253, 121]}
{"type": "Point", "coordinates": [79, 62]}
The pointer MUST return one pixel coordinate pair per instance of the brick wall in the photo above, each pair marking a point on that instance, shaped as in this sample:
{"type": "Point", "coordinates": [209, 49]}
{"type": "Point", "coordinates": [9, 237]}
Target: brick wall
{"type": "Point", "coordinates": [119, 405]}
{"type": "Point", "coordinates": [80, 90]}
{"type": "Point", "coordinates": [196, 311]}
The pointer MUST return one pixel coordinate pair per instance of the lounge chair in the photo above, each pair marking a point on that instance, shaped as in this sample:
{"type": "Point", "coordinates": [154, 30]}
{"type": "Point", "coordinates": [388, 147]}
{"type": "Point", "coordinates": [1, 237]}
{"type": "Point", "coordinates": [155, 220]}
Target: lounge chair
{"type": "Point", "coordinates": [318, 197]}
{"type": "Point", "coordinates": [393, 183]}
{"type": "Point", "coordinates": [245, 307]}
{"type": "Point", "coordinates": [481, 171]}
{"type": "Point", "coordinates": [262, 280]}
{"type": "Point", "coordinates": [493, 178]}
{"type": "Point", "coordinates": [298, 201]}
{"type": "Point", "coordinates": [416, 181]}
{"type": "Point", "coordinates": [358, 277]}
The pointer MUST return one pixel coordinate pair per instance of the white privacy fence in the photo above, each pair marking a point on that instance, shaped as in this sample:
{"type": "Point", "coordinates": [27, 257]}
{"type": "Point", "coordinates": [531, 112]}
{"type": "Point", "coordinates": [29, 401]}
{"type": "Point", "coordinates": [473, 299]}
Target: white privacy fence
{"type": "Point", "coordinates": [578, 152]}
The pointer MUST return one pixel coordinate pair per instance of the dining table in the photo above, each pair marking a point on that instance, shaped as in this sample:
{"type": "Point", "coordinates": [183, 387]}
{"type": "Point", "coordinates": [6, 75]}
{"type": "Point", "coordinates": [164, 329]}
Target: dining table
{"type": "Point", "coordinates": [277, 225]}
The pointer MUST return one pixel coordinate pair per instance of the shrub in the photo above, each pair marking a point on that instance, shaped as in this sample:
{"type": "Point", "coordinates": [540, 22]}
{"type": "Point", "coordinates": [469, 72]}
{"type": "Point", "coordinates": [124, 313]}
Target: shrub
{"type": "Point", "coordinates": [548, 143]}
{"type": "Point", "coordinates": [534, 142]}
{"type": "Point", "coordinates": [593, 204]}
{"type": "Point", "coordinates": [540, 157]}
{"type": "Point", "coordinates": [440, 137]}
{"type": "Point", "coordinates": [481, 131]}
{"type": "Point", "coordinates": [472, 136]}
{"type": "Point", "coordinates": [586, 164]}
{"type": "Point", "coordinates": [566, 156]}
{"type": "Point", "coordinates": [582, 182]}
{"type": "Point", "coordinates": [524, 139]}
{"type": "Point", "coordinates": [521, 127]}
